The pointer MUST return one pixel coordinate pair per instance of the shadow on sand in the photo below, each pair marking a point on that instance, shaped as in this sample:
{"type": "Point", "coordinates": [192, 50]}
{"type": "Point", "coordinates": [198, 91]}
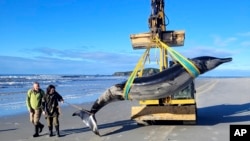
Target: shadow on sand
{"type": "Point", "coordinates": [125, 126]}
{"type": "Point", "coordinates": [211, 115]}
{"type": "Point", "coordinates": [4, 130]}
{"type": "Point", "coordinates": [223, 114]}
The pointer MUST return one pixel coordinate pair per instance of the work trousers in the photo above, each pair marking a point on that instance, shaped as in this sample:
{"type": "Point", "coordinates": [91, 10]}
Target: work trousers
{"type": "Point", "coordinates": [35, 116]}
{"type": "Point", "coordinates": [52, 120]}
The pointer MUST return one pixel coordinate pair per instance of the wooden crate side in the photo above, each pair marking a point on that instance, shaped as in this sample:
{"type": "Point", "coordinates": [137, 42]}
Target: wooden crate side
{"type": "Point", "coordinates": [187, 112]}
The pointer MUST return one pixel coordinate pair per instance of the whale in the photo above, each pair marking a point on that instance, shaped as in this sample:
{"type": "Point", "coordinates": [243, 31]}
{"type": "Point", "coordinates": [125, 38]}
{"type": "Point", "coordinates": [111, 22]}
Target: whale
{"type": "Point", "coordinates": [159, 85]}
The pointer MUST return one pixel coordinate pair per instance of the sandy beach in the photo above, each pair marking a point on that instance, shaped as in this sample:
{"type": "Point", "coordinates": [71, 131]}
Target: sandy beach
{"type": "Point", "coordinates": [220, 101]}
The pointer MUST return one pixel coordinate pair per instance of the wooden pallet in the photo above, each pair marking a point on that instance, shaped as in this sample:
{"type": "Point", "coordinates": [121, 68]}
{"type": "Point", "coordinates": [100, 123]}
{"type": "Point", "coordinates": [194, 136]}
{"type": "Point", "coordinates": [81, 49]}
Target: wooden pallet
{"type": "Point", "coordinates": [186, 113]}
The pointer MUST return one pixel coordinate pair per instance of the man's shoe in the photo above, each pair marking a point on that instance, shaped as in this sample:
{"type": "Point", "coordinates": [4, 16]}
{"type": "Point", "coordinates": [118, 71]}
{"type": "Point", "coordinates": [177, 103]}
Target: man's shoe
{"type": "Point", "coordinates": [41, 126]}
{"type": "Point", "coordinates": [36, 131]}
{"type": "Point", "coordinates": [57, 131]}
{"type": "Point", "coordinates": [51, 131]}
{"type": "Point", "coordinates": [36, 135]}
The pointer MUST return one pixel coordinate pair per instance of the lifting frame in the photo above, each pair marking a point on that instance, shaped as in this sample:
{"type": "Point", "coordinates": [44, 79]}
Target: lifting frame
{"type": "Point", "coordinates": [178, 107]}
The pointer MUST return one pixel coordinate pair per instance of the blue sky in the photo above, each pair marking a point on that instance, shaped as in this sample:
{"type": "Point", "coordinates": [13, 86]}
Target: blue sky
{"type": "Point", "coordinates": [92, 37]}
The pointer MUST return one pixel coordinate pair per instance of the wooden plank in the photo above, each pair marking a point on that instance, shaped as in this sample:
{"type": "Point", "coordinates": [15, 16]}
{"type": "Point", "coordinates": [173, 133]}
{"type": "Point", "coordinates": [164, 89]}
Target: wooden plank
{"type": "Point", "coordinates": [172, 38]}
{"type": "Point", "coordinates": [141, 41]}
{"type": "Point", "coordinates": [182, 101]}
{"type": "Point", "coordinates": [167, 116]}
{"type": "Point", "coordinates": [149, 102]}
{"type": "Point", "coordinates": [187, 112]}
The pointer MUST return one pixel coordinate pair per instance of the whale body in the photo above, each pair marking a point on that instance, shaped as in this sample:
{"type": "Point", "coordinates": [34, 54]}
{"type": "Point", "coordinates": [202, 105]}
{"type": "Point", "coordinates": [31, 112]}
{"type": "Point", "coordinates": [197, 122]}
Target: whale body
{"type": "Point", "coordinates": [160, 85]}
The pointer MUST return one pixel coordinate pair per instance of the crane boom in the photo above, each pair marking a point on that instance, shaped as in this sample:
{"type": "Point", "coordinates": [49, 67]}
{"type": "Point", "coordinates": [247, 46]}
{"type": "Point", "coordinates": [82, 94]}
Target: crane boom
{"type": "Point", "coordinates": [156, 19]}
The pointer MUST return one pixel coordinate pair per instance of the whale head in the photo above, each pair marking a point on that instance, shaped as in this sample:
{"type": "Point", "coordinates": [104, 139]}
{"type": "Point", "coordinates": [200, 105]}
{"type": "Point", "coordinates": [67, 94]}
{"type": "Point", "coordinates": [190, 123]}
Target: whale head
{"type": "Point", "coordinates": [207, 63]}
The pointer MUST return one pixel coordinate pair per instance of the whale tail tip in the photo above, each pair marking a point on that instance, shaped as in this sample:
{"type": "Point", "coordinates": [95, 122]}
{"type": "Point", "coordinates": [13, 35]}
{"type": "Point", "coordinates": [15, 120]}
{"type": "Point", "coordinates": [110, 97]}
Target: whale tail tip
{"type": "Point", "coordinates": [88, 119]}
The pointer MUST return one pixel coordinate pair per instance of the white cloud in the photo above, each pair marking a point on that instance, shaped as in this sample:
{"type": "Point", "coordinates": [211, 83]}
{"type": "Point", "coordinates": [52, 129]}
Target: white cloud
{"type": "Point", "coordinates": [78, 54]}
{"type": "Point", "coordinates": [245, 44]}
{"type": "Point", "coordinates": [218, 41]}
{"type": "Point", "coordinates": [205, 51]}
{"type": "Point", "coordinates": [247, 34]}
{"type": "Point", "coordinates": [89, 63]}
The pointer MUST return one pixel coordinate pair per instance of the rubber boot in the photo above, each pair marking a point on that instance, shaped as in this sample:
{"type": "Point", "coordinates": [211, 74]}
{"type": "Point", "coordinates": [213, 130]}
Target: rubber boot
{"type": "Point", "coordinates": [50, 131]}
{"type": "Point", "coordinates": [36, 131]}
{"type": "Point", "coordinates": [57, 131]}
{"type": "Point", "coordinates": [40, 127]}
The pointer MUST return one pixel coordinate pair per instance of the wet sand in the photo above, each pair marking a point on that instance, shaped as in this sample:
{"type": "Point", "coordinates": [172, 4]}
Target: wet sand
{"type": "Point", "coordinates": [220, 102]}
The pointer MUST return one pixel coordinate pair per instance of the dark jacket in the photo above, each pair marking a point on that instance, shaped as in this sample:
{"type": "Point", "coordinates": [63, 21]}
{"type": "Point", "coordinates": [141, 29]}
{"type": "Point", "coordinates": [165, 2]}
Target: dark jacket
{"type": "Point", "coordinates": [51, 106]}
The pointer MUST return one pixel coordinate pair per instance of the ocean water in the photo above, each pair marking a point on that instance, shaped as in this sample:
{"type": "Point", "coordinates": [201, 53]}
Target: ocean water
{"type": "Point", "coordinates": [74, 89]}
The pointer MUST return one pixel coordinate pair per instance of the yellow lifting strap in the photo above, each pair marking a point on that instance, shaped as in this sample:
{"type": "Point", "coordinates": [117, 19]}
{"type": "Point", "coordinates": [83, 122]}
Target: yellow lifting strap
{"type": "Point", "coordinates": [139, 66]}
{"type": "Point", "coordinates": [188, 65]}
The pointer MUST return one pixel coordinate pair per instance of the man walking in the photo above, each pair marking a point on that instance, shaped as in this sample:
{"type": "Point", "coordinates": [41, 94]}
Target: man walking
{"type": "Point", "coordinates": [34, 101]}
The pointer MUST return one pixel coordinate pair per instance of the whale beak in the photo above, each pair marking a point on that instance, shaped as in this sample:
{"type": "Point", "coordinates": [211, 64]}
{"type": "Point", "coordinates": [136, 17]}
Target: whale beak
{"type": "Point", "coordinates": [210, 63]}
{"type": "Point", "coordinates": [225, 60]}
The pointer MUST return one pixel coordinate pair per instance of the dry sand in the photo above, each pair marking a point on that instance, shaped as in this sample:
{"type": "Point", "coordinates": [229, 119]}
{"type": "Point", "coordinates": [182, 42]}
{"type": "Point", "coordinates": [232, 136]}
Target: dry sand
{"type": "Point", "coordinates": [220, 101]}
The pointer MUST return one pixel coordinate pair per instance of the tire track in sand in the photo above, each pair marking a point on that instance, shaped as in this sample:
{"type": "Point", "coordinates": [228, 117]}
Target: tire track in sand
{"type": "Point", "coordinates": [206, 87]}
{"type": "Point", "coordinates": [160, 133]}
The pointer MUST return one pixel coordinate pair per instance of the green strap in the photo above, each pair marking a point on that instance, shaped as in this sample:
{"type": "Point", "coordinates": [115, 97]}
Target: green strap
{"type": "Point", "coordinates": [188, 65]}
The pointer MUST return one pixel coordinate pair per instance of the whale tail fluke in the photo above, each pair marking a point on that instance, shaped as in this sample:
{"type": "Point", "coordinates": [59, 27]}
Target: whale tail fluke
{"type": "Point", "coordinates": [88, 119]}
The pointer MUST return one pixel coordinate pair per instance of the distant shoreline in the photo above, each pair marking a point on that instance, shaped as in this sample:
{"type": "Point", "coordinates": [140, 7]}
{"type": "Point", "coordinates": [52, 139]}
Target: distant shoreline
{"type": "Point", "coordinates": [117, 74]}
